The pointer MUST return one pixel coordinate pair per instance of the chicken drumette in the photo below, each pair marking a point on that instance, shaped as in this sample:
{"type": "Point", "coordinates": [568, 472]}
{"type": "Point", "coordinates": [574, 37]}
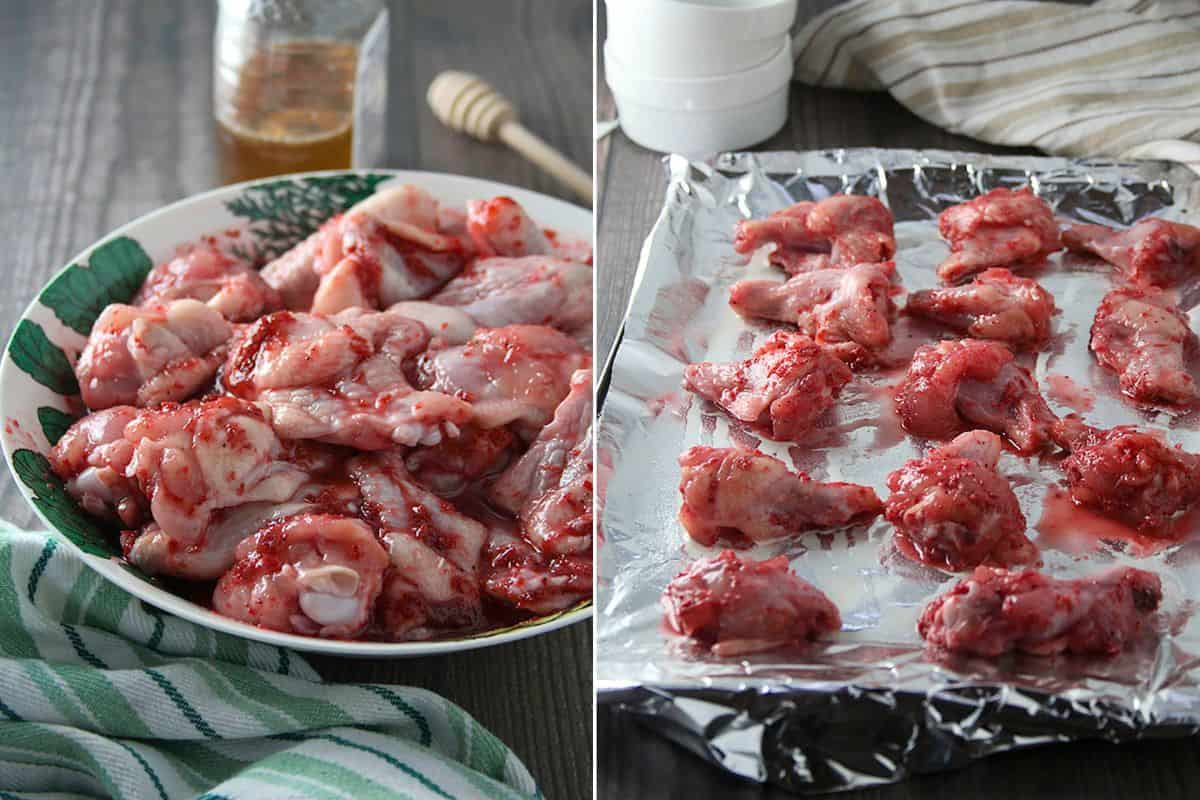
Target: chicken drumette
{"type": "Point", "coordinates": [848, 309]}
{"type": "Point", "coordinates": [204, 273]}
{"type": "Point", "coordinates": [995, 611]}
{"type": "Point", "coordinates": [735, 605]}
{"type": "Point", "coordinates": [997, 229]}
{"type": "Point", "coordinates": [744, 497]}
{"type": "Point", "coordinates": [1154, 251]}
{"type": "Point", "coordinates": [1142, 336]}
{"type": "Point", "coordinates": [840, 231]}
{"type": "Point", "coordinates": [952, 386]}
{"type": "Point", "coordinates": [996, 305]}
{"type": "Point", "coordinates": [780, 391]}
{"type": "Point", "coordinates": [953, 510]}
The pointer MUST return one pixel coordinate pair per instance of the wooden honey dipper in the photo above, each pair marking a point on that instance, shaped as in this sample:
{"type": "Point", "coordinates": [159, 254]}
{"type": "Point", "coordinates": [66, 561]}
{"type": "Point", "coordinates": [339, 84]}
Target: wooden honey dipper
{"type": "Point", "coordinates": [466, 103]}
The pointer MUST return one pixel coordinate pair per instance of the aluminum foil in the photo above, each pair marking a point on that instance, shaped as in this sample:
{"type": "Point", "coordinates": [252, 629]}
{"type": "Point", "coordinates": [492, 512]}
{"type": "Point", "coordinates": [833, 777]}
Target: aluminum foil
{"type": "Point", "coordinates": [870, 706]}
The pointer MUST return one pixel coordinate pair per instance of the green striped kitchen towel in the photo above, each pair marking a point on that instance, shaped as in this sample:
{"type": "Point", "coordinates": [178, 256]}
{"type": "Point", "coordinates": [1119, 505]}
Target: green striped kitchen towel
{"type": "Point", "coordinates": [1117, 78]}
{"type": "Point", "coordinates": [104, 696]}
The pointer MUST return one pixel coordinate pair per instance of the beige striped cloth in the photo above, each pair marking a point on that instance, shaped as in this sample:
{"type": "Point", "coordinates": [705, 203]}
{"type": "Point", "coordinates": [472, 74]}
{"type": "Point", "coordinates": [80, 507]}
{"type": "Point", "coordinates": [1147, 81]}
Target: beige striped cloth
{"type": "Point", "coordinates": [1118, 78]}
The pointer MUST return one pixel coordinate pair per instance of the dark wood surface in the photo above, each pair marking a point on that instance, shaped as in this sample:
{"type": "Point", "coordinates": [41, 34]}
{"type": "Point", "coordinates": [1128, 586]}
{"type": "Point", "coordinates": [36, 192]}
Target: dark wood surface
{"type": "Point", "coordinates": [107, 115]}
{"type": "Point", "coordinates": [633, 762]}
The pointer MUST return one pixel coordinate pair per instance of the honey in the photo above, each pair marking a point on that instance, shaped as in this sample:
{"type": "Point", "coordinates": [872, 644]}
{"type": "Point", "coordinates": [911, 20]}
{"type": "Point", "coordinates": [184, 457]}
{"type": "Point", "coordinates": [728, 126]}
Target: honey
{"type": "Point", "coordinates": [290, 109]}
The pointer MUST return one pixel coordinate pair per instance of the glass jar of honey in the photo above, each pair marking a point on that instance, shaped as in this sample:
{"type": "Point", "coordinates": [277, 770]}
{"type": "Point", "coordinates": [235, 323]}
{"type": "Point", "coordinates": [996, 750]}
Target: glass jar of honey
{"type": "Point", "coordinates": [299, 85]}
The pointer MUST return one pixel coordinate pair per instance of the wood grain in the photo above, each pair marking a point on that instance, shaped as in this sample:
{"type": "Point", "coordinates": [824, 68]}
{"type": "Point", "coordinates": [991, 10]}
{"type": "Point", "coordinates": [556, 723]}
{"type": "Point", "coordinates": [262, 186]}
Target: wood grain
{"type": "Point", "coordinates": [633, 762]}
{"type": "Point", "coordinates": [107, 115]}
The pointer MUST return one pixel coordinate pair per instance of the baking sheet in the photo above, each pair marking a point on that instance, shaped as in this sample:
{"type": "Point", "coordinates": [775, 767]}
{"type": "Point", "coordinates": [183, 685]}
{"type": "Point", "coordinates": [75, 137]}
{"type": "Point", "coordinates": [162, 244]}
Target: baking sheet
{"type": "Point", "coordinates": [869, 706]}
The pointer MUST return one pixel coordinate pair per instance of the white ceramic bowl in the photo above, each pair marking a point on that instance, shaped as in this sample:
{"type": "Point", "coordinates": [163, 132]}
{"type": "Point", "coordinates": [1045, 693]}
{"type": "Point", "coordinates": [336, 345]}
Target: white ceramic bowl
{"type": "Point", "coordinates": [37, 397]}
{"type": "Point", "coordinates": [700, 116]}
{"type": "Point", "coordinates": [696, 38]}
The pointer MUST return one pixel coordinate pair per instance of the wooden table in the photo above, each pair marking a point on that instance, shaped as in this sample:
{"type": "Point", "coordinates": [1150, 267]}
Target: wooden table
{"type": "Point", "coordinates": [107, 115]}
{"type": "Point", "coordinates": [633, 762]}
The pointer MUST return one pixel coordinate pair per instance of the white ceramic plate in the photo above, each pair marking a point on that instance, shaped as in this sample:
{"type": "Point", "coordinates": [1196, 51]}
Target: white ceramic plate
{"type": "Point", "coordinates": [39, 395]}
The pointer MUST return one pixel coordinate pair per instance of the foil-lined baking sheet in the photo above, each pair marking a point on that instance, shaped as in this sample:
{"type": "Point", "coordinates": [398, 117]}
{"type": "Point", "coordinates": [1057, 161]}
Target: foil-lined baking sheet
{"type": "Point", "coordinates": [869, 706]}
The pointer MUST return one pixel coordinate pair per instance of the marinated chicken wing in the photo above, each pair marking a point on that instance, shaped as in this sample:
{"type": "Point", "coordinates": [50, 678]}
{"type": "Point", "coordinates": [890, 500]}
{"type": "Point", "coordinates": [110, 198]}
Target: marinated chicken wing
{"type": "Point", "coordinates": [206, 274]}
{"type": "Point", "coordinates": [953, 510]}
{"type": "Point", "coordinates": [846, 309]}
{"type": "Point", "coordinates": [780, 391]}
{"type": "Point", "coordinates": [432, 584]}
{"type": "Point", "coordinates": [500, 227]}
{"type": "Point", "coordinates": [516, 574]}
{"type": "Point", "coordinates": [744, 497]}
{"type": "Point", "coordinates": [446, 325]}
{"type": "Point", "coordinates": [312, 574]}
{"type": "Point", "coordinates": [1130, 475]}
{"type": "Point", "coordinates": [549, 489]}
{"type": "Point", "coordinates": [735, 606]}
{"type": "Point", "coordinates": [840, 231]}
{"type": "Point", "coordinates": [146, 356]}
{"type": "Point", "coordinates": [1142, 336]}
{"type": "Point", "coordinates": [1154, 251]}
{"type": "Point", "coordinates": [995, 611]}
{"type": "Point", "coordinates": [451, 465]}
{"type": "Point", "coordinates": [341, 379]}
{"type": "Point", "coordinates": [92, 458]}
{"type": "Point", "coordinates": [996, 305]}
{"type": "Point", "coordinates": [534, 290]}
{"type": "Point", "coordinates": [516, 375]}
{"type": "Point", "coordinates": [953, 386]}
{"type": "Point", "coordinates": [997, 229]}
{"type": "Point", "coordinates": [390, 247]}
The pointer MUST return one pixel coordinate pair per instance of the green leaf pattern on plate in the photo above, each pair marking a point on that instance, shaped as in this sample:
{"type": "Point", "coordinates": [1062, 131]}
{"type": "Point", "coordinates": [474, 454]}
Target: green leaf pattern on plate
{"type": "Point", "coordinates": [51, 498]}
{"type": "Point", "coordinates": [34, 353]}
{"type": "Point", "coordinates": [54, 423]}
{"type": "Point", "coordinates": [285, 212]}
{"type": "Point", "coordinates": [114, 273]}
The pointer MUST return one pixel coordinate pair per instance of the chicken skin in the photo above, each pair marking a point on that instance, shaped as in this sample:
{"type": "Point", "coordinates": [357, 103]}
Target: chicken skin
{"type": "Point", "coordinates": [1154, 251]}
{"type": "Point", "coordinates": [744, 497]}
{"type": "Point", "coordinates": [847, 309]}
{"type": "Point", "coordinates": [312, 574]}
{"type": "Point", "coordinates": [1129, 475]}
{"type": "Point", "coordinates": [953, 510]}
{"type": "Point", "coordinates": [780, 391]}
{"type": "Point", "coordinates": [954, 386]}
{"type": "Point", "coordinates": [995, 612]}
{"type": "Point", "coordinates": [842, 230]}
{"type": "Point", "coordinates": [995, 305]}
{"type": "Point", "coordinates": [146, 356]}
{"type": "Point", "coordinates": [500, 227]}
{"type": "Point", "coordinates": [341, 379]}
{"type": "Point", "coordinates": [393, 246]}
{"type": "Point", "coordinates": [229, 287]}
{"type": "Point", "coordinates": [997, 229]}
{"type": "Point", "coordinates": [1142, 336]}
{"type": "Point", "coordinates": [736, 606]}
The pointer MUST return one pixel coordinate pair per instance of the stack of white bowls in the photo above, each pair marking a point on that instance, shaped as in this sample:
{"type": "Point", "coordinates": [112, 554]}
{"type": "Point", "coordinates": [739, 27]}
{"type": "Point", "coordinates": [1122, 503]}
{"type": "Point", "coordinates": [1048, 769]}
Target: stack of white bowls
{"type": "Point", "coordinates": [698, 77]}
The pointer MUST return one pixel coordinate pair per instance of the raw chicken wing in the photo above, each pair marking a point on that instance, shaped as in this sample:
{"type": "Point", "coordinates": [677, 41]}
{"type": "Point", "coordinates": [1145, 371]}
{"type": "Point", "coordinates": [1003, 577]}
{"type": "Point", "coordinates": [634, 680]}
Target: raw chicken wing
{"type": "Point", "coordinates": [847, 309]}
{"type": "Point", "coordinates": [206, 274]}
{"type": "Point", "coordinates": [953, 386]}
{"type": "Point", "coordinates": [432, 583]}
{"type": "Point", "coordinates": [1129, 474]}
{"type": "Point", "coordinates": [839, 231]}
{"type": "Point", "coordinates": [516, 375]}
{"type": "Point", "coordinates": [1154, 251]}
{"type": "Point", "coordinates": [341, 379]}
{"type": "Point", "coordinates": [549, 489]}
{"type": "Point", "coordinates": [953, 510]}
{"type": "Point", "coordinates": [995, 611]}
{"type": "Point", "coordinates": [744, 497]}
{"type": "Point", "coordinates": [996, 305]}
{"type": "Point", "coordinates": [797, 248]}
{"type": "Point", "coordinates": [997, 229]}
{"type": "Point", "coordinates": [1142, 336]}
{"type": "Point", "coordinates": [500, 227]}
{"type": "Point", "coordinates": [390, 247]}
{"type": "Point", "coordinates": [519, 576]}
{"type": "Point", "coordinates": [311, 574]}
{"type": "Point", "coordinates": [92, 458]}
{"type": "Point", "coordinates": [534, 290]}
{"type": "Point", "coordinates": [780, 391]}
{"type": "Point", "coordinates": [446, 325]}
{"type": "Point", "coordinates": [146, 356]}
{"type": "Point", "coordinates": [735, 606]}
{"type": "Point", "coordinates": [452, 465]}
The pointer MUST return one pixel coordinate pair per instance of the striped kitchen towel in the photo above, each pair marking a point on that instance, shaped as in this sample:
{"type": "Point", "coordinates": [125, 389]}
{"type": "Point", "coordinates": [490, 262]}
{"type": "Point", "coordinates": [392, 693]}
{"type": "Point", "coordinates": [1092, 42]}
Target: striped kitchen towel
{"type": "Point", "coordinates": [104, 696]}
{"type": "Point", "coordinates": [1117, 78]}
